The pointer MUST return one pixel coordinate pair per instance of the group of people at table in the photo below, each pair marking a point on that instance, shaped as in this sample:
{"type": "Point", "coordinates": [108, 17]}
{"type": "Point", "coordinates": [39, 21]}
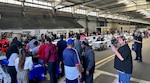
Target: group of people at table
{"type": "Point", "coordinates": [21, 59]}
{"type": "Point", "coordinates": [31, 61]}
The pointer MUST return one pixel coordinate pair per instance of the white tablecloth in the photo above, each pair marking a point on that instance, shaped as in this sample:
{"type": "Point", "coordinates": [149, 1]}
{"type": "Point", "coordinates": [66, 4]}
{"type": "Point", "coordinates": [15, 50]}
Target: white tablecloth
{"type": "Point", "coordinates": [99, 44]}
{"type": "Point", "coordinates": [2, 57]}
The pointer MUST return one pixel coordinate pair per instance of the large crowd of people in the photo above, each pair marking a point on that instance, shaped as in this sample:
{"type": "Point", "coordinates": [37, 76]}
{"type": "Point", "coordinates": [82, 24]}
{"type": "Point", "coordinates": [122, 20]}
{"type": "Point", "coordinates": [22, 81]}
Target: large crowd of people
{"type": "Point", "coordinates": [64, 58]}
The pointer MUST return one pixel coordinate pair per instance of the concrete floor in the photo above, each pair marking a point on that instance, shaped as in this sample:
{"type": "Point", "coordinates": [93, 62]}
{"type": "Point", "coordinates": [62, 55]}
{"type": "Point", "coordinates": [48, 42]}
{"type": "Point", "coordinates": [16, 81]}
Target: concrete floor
{"type": "Point", "coordinates": [105, 73]}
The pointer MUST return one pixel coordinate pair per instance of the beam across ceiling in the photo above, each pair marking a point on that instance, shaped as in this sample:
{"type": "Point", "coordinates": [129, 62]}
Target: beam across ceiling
{"type": "Point", "coordinates": [75, 4]}
{"type": "Point", "coordinates": [93, 1]}
{"type": "Point", "coordinates": [130, 8]}
{"type": "Point", "coordinates": [34, 3]}
{"type": "Point", "coordinates": [112, 4]}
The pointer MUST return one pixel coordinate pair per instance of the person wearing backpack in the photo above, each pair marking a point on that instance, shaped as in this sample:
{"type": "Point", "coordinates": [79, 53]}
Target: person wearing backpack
{"type": "Point", "coordinates": [51, 59]}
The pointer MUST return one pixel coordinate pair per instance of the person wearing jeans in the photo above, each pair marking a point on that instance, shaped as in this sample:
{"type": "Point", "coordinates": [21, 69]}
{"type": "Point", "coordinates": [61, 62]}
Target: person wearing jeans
{"type": "Point", "coordinates": [123, 77]}
{"type": "Point", "coordinates": [123, 60]}
{"type": "Point", "coordinates": [51, 59]}
{"type": "Point", "coordinates": [61, 44]}
{"type": "Point", "coordinates": [52, 71]}
{"type": "Point", "coordinates": [138, 42]}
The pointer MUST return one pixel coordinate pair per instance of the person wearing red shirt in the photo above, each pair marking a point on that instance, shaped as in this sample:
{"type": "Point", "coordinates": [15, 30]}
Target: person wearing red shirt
{"type": "Point", "coordinates": [5, 44]}
{"type": "Point", "coordinates": [41, 53]}
{"type": "Point", "coordinates": [50, 59]}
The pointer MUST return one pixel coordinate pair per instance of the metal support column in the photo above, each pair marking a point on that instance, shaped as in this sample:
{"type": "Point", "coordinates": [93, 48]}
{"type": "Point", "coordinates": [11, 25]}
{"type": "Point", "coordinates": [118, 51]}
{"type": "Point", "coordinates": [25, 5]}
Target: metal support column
{"type": "Point", "coordinates": [23, 8]}
{"type": "Point", "coordinates": [86, 24]}
{"type": "Point", "coordinates": [97, 22]}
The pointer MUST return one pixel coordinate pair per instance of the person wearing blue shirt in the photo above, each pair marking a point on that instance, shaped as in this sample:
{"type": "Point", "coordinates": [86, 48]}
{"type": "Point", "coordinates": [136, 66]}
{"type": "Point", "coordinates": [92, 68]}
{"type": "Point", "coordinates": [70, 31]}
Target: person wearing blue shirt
{"type": "Point", "coordinates": [31, 43]}
{"type": "Point", "coordinates": [71, 63]}
{"type": "Point", "coordinates": [77, 46]}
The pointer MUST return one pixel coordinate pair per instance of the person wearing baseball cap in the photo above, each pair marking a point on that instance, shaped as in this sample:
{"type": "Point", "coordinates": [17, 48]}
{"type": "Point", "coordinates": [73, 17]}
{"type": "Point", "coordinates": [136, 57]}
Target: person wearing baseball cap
{"type": "Point", "coordinates": [123, 60]}
{"type": "Point", "coordinates": [71, 63]}
{"type": "Point", "coordinates": [138, 41]}
{"type": "Point", "coordinates": [88, 61]}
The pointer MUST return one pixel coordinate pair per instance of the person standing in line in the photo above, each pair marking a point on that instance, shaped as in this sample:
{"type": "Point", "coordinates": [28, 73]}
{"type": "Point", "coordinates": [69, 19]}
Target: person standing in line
{"type": "Point", "coordinates": [88, 62]}
{"type": "Point", "coordinates": [62, 44]}
{"type": "Point", "coordinates": [17, 42]}
{"type": "Point", "coordinates": [34, 52]}
{"type": "Point", "coordinates": [71, 63]}
{"type": "Point", "coordinates": [138, 42]}
{"type": "Point", "coordinates": [51, 58]}
{"type": "Point", "coordinates": [123, 60]}
{"type": "Point", "coordinates": [5, 44]}
{"type": "Point", "coordinates": [31, 43]}
{"type": "Point", "coordinates": [23, 65]}
{"type": "Point", "coordinates": [77, 46]}
{"type": "Point", "coordinates": [12, 54]}
{"type": "Point", "coordinates": [41, 52]}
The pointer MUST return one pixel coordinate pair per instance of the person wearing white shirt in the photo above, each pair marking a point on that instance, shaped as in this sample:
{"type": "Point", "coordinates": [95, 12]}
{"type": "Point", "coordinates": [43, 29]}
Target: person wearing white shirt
{"type": "Point", "coordinates": [34, 52]}
{"type": "Point", "coordinates": [12, 54]}
{"type": "Point", "coordinates": [23, 65]}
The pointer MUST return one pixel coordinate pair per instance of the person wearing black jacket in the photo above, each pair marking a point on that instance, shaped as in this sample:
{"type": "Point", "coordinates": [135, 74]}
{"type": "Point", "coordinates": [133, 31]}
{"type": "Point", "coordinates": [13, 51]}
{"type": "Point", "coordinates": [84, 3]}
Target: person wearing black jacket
{"type": "Point", "coordinates": [15, 41]}
{"type": "Point", "coordinates": [61, 44]}
{"type": "Point", "coordinates": [138, 42]}
{"type": "Point", "coordinates": [123, 60]}
{"type": "Point", "coordinates": [88, 62]}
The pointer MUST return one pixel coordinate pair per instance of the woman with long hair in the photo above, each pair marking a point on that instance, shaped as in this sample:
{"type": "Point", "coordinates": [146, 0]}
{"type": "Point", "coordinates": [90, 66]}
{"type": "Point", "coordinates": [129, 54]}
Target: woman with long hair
{"type": "Point", "coordinates": [23, 65]}
{"type": "Point", "coordinates": [12, 54]}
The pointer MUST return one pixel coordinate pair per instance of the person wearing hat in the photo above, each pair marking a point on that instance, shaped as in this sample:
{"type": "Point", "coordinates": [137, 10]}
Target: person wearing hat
{"type": "Point", "coordinates": [71, 63]}
{"type": "Point", "coordinates": [123, 60]}
{"type": "Point", "coordinates": [138, 42]}
{"type": "Point", "coordinates": [88, 62]}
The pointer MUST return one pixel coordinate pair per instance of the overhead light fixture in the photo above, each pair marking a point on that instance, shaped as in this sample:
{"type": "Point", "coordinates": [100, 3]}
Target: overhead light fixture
{"type": "Point", "coordinates": [108, 12]}
{"type": "Point", "coordinates": [57, 0]}
{"type": "Point", "coordinates": [97, 9]}
{"type": "Point", "coordinates": [117, 14]}
{"type": "Point", "coordinates": [82, 6]}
